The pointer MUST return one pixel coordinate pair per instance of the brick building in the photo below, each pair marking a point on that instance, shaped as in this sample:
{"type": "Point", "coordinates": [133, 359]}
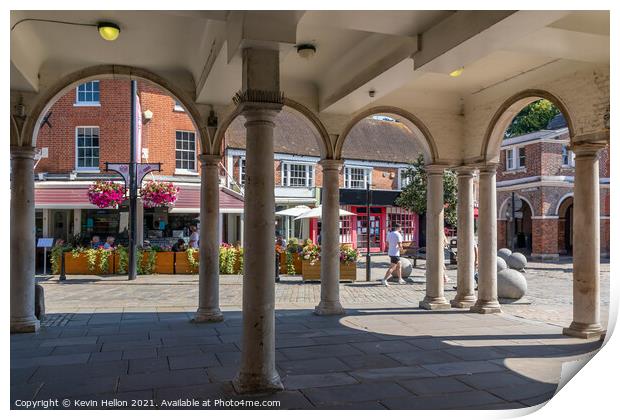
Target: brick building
{"type": "Point", "coordinates": [90, 125]}
{"type": "Point", "coordinates": [537, 172]}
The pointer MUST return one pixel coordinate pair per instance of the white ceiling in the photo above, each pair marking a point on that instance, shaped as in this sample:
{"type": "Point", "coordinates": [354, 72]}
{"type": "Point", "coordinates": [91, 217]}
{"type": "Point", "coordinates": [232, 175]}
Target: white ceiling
{"type": "Point", "coordinates": [356, 50]}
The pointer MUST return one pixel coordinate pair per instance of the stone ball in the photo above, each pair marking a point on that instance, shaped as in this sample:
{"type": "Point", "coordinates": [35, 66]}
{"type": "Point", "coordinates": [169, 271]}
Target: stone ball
{"type": "Point", "coordinates": [517, 261]}
{"type": "Point", "coordinates": [406, 267]}
{"type": "Point", "coordinates": [501, 264]}
{"type": "Point", "coordinates": [511, 284]}
{"type": "Point", "coordinates": [504, 253]}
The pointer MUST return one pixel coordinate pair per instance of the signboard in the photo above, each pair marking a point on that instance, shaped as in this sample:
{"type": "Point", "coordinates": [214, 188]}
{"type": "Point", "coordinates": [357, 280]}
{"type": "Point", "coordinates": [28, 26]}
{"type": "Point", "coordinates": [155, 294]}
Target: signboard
{"type": "Point", "coordinates": [45, 242]}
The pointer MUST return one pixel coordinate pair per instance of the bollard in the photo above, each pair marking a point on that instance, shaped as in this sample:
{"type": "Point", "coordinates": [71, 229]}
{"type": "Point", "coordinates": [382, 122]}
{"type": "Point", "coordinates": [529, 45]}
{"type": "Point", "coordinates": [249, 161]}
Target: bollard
{"type": "Point", "coordinates": [63, 274]}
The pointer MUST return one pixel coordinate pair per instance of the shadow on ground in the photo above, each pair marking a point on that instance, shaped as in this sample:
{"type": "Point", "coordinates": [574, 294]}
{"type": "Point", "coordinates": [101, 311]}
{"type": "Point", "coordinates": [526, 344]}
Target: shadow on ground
{"type": "Point", "coordinates": [391, 358]}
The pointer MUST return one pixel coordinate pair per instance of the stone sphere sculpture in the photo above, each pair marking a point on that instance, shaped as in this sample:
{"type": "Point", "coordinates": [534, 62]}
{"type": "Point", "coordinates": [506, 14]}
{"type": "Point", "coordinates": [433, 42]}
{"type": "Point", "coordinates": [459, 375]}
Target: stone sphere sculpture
{"type": "Point", "coordinates": [504, 253]}
{"type": "Point", "coordinates": [511, 284]}
{"type": "Point", "coordinates": [501, 264]}
{"type": "Point", "coordinates": [405, 268]}
{"type": "Point", "coordinates": [517, 261]}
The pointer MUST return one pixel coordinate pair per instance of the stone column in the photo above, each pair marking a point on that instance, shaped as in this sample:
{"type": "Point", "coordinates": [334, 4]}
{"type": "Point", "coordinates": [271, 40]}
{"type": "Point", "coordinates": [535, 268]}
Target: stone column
{"type": "Point", "coordinates": [22, 241]}
{"type": "Point", "coordinates": [586, 246]}
{"type": "Point", "coordinates": [434, 298]}
{"type": "Point", "coordinates": [260, 101]}
{"type": "Point", "coordinates": [209, 274]}
{"type": "Point", "coordinates": [330, 241]}
{"type": "Point", "coordinates": [487, 302]}
{"type": "Point", "coordinates": [465, 296]}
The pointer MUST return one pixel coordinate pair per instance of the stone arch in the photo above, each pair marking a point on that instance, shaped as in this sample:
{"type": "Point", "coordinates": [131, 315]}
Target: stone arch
{"type": "Point", "coordinates": [324, 143]}
{"type": "Point", "coordinates": [413, 122]}
{"type": "Point", "coordinates": [561, 201]}
{"type": "Point", "coordinates": [494, 134]}
{"type": "Point", "coordinates": [47, 98]}
{"type": "Point", "coordinates": [502, 207]}
{"type": "Point", "coordinates": [15, 140]}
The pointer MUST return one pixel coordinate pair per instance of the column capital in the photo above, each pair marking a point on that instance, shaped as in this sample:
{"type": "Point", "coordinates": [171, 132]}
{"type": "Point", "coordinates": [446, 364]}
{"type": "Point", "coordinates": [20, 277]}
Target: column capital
{"type": "Point", "coordinates": [209, 160]}
{"type": "Point", "coordinates": [259, 104]}
{"type": "Point", "coordinates": [331, 164]}
{"type": "Point", "coordinates": [489, 168]}
{"type": "Point", "coordinates": [589, 144]}
{"type": "Point", "coordinates": [22, 152]}
{"type": "Point", "coordinates": [434, 169]}
{"type": "Point", "coordinates": [465, 171]}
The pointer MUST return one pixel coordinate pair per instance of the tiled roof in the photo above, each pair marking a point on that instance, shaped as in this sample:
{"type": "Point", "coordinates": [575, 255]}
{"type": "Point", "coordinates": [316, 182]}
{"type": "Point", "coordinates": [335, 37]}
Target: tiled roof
{"type": "Point", "coordinates": [370, 139]}
{"type": "Point", "coordinates": [557, 122]}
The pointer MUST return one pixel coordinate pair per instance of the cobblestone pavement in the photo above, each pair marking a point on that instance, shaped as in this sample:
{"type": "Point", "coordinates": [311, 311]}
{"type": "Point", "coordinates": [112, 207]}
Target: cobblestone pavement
{"type": "Point", "coordinates": [549, 296]}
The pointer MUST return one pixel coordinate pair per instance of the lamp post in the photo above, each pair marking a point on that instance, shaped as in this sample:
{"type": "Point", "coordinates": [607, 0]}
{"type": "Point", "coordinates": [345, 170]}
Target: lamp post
{"type": "Point", "coordinates": [367, 231]}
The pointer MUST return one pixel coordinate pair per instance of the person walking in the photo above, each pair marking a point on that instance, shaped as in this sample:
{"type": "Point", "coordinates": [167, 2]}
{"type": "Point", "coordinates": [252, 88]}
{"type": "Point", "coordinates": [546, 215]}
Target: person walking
{"type": "Point", "coordinates": [194, 238]}
{"type": "Point", "coordinates": [395, 246]}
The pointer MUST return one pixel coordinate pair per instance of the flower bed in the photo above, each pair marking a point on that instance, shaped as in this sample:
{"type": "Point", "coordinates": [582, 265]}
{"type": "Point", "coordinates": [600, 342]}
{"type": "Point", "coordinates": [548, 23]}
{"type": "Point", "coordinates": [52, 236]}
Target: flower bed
{"type": "Point", "coordinates": [311, 262]}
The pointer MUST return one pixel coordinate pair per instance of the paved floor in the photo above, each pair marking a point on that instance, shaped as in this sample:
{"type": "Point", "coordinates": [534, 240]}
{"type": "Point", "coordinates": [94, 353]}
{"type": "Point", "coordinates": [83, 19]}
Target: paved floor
{"type": "Point", "coordinates": [110, 342]}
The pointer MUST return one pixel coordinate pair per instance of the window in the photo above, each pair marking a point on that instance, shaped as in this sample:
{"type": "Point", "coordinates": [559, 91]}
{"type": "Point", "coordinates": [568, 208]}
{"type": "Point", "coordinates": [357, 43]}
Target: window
{"type": "Point", "coordinates": [178, 107]}
{"type": "Point", "coordinates": [356, 177]}
{"type": "Point", "coordinates": [515, 158]}
{"type": "Point", "coordinates": [297, 175]}
{"type": "Point", "coordinates": [87, 148]}
{"type": "Point", "coordinates": [186, 151]}
{"type": "Point", "coordinates": [568, 157]}
{"type": "Point", "coordinates": [242, 170]}
{"type": "Point", "coordinates": [87, 93]}
{"type": "Point", "coordinates": [403, 179]}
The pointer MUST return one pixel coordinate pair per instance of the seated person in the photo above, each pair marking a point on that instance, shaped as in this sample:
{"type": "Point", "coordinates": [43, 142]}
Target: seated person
{"type": "Point", "coordinates": [109, 242]}
{"type": "Point", "coordinates": [179, 246]}
{"type": "Point", "coordinates": [96, 243]}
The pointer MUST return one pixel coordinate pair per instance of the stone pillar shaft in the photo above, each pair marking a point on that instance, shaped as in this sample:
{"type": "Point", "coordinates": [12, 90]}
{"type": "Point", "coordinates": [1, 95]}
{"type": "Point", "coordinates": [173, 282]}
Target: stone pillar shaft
{"type": "Point", "coordinates": [209, 274]}
{"type": "Point", "coordinates": [330, 241]}
{"type": "Point", "coordinates": [465, 296]}
{"type": "Point", "coordinates": [434, 298]}
{"type": "Point", "coordinates": [586, 247]}
{"type": "Point", "coordinates": [22, 241]}
{"type": "Point", "coordinates": [258, 366]}
{"type": "Point", "coordinates": [487, 244]}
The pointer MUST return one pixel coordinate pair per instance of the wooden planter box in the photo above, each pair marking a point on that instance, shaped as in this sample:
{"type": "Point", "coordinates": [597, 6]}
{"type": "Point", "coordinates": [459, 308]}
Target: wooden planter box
{"type": "Point", "coordinates": [182, 264]}
{"type": "Point", "coordinates": [313, 271]}
{"type": "Point", "coordinates": [164, 262]}
{"type": "Point", "coordinates": [296, 263]}
{"type": "Point", "coordinates": [79, 265]}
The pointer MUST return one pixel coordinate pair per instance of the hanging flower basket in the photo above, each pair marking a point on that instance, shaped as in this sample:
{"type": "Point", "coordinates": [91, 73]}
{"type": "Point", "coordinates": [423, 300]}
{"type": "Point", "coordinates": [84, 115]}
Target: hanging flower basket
{"type": "Point", "coordinates": [105, 194]}
{"type": "Point", "coordinates": [159, 194]}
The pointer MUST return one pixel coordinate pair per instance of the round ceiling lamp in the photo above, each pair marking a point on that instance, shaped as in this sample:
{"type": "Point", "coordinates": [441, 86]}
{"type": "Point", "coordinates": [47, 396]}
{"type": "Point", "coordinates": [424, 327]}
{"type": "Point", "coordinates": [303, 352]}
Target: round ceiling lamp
{"type": "Point", "coordinates": [108, 31]}
{"type": "Point", "coordinates": [457, 72]}
{"type": "Point", "coordinates": [306, 51]}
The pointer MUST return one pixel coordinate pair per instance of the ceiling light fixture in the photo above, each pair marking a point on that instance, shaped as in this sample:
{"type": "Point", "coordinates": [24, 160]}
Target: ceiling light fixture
{"type": "Point", "coordinates": [457, 72]}
{"type": "Point", "coordinates": [108, 31]}
{"type": "Point", "coordinates": [306, 51]}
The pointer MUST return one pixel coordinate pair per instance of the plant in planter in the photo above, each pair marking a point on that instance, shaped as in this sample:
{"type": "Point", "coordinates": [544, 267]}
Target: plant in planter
{"type": "Point", "coordinates": [348, 255]}
{"type": "Point", "coordinates": [228, 258]}
{"type": "Point", "coordinates": [159, 194]}
{"type": "Point", "coordinates": [191, 257]}
{"type": "Point", "coordinates": [311, 252]}
{"type": "Point", "coordinates": [105, 194]}
{"type": "Point", "coordinates": [123, 259]}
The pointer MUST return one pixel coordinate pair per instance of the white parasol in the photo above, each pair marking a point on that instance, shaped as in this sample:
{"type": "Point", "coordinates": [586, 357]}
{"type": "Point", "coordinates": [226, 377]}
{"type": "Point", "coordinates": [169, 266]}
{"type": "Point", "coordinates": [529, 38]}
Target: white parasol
{"type": "Point", "coordinates": [317, 212]}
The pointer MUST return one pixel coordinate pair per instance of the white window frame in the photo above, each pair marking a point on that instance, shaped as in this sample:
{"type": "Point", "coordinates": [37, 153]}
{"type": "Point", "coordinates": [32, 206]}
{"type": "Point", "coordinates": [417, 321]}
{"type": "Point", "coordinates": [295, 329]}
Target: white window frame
{"type": "Point", "coordinates": [513, 160]}
{"type": "Point", "coordinates": [182, 171]}
{"type": "Point", "coordinates": [178, 107]}
{"type": "Point", "coordinates": [87, 103]}
{"type": "Point", "coordinates": [89, 169]}
{"type": "Point", "coordinates": [286, 174]}
{"type": "Point", "coordinates": [401, 177]}
{"type": "Point", "coordinates": [347, 176]}
{"type": "Point", "coordinates": [570, 156]}
{"type": "Point", "coordinates": [241, 162]}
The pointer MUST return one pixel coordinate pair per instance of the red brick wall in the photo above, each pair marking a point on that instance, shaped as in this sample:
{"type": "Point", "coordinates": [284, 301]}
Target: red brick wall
{"type": "Point", "coordinates": [501, 234]}
{"type": "Point", "coordinates": [112, 117]}
{"type": "Point", "coordinates": [544, 236]}
{"type": "Point", "coordinates": [533, 154]}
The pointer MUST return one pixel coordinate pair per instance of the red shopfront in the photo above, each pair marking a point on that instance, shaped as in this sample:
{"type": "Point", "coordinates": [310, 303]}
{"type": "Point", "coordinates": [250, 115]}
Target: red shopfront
{"type": "Point", "coordinates": [354, 229]}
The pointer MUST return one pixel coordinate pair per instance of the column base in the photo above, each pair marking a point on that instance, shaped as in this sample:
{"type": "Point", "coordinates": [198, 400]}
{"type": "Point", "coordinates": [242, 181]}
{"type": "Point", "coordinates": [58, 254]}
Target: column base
{"type": "Point", "coordinates": [463, 302]}
{"type": "Point", "coordinates": [329, 308]}
{"type": "Point", "coordinates": [486, 307]}
{"type": "Point", "coordinates": [204, 316]}
{"type": "Point", "coordinates": [580, 330]}
{"type": "Point", "coordinates": [25, 326]}
{"type": "Point", "coordinates": [251, 383]}
{"type": "Point", "coordinates": [434, 303]}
